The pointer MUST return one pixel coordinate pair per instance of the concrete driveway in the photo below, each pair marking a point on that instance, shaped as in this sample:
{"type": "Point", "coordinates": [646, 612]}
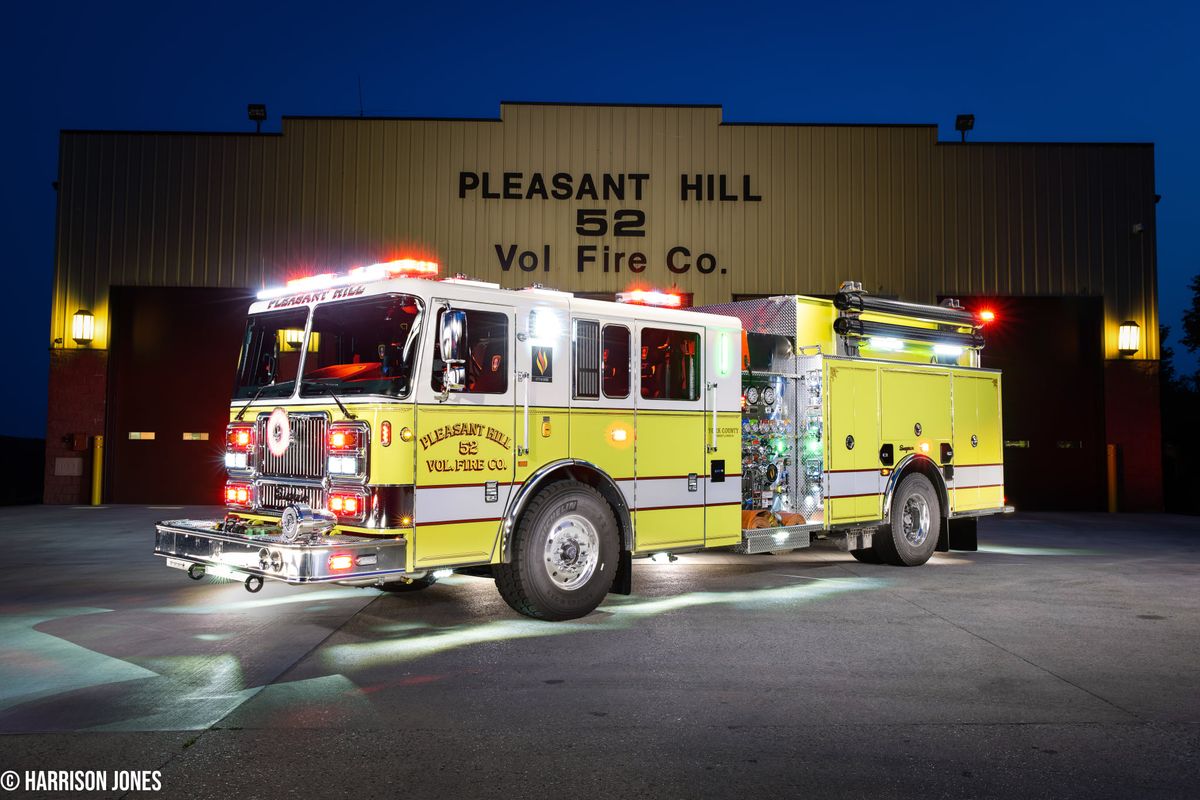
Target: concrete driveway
{"type": "Point", "coordinates": [1059, 660]}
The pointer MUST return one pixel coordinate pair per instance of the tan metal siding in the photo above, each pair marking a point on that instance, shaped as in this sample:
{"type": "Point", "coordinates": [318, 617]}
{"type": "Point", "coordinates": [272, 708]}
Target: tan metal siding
{"type": "Point", "coordinates": [886, 205]}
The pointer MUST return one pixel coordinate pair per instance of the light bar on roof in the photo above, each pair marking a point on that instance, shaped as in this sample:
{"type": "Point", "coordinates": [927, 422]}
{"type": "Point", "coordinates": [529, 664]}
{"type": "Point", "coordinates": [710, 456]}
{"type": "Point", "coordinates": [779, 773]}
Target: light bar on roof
{"type": "Point", "coordinates": [400, 268]}
{"type": "Point", "coordinates": [650, 297]}
{"type": "Point", "coordinates": [405, 267]}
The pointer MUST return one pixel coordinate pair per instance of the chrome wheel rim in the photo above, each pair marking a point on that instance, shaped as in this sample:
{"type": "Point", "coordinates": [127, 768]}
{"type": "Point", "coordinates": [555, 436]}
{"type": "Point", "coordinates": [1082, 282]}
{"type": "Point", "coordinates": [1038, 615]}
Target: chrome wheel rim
{"type": "Point", "coordinates": [916, 520]}
{"type": "Point", "coordinates": [572, 552]}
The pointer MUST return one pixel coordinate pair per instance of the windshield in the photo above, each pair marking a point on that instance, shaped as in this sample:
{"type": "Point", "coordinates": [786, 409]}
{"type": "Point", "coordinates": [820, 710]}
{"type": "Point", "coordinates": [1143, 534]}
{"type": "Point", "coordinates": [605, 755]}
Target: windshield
{"type": "Point", "coordinates": [270, 354]}
{"type": "Point", "coordinates": [363, 346]}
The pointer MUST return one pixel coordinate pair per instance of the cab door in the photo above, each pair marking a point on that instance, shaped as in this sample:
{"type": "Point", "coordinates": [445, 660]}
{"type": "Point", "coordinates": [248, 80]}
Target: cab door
{"type": "Point", "coordinates": [543, 366]}
{"type": "Point", "coordinates": [465, 443]}
{"type": "Point", "coordinates": [670, 452]}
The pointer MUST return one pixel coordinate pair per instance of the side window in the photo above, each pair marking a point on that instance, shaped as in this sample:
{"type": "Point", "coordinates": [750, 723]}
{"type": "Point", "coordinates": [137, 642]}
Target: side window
{"type": "Point", "coordinates": [670, 364]}
{"type": "Point", "coordinates": [614, 361]}
{"type": "Point", "coordinates": [487, 353]}
{"type": "Point", "coordinates": [586, 358]}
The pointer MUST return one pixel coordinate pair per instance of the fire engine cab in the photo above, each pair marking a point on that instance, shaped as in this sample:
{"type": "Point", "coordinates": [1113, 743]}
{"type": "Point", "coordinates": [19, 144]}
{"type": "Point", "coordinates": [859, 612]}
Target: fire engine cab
{"type": "Point", "coordinates": [388, 428]}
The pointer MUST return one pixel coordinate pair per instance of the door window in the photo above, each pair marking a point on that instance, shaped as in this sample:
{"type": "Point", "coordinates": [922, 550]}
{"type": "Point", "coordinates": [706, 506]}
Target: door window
{"type": "Point", "coordinates": [614, 361]}
{"type": "Point", "coordinates": [670, 364]}
{"type": "Point", "coordinates": [487, 353]}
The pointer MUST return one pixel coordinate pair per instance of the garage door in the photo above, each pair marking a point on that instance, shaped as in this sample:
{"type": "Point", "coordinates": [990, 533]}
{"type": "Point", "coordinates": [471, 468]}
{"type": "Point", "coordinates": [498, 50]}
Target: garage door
{"type": "Point", "coordinates": [171, 363]}
{"type": "Point", "coordinates": [1050, 349]}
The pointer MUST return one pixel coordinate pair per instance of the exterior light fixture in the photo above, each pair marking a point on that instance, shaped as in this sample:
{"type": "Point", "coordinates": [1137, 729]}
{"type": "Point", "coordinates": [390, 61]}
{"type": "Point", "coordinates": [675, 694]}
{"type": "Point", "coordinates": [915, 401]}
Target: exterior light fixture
{"type": "Point", "coordinates": [1129, 338]}
{"type": "Point", "coordinates": [83, 327]}
{"type": "Point", "coordinates": [964, 123]}
{"type": "Point", "coordinates": [257, 112]}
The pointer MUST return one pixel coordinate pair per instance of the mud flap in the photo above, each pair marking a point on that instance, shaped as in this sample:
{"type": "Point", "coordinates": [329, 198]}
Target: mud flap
{"type": "Point", "coordinates": [623, 580]}
{"type": "Point", "coordinates": [959, 534]}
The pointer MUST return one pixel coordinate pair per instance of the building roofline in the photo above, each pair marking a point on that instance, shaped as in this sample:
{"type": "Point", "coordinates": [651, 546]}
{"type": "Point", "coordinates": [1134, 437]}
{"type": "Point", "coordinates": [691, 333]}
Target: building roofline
{"type": "Point", "coordinates": [356, 117]}
{"type": "Point", "coordinates": [130, 132]}
{"type": "Point", "coordinates": [549, 103]}
{"type": "Point", "coordinates": [608, 105]}
{"type": "Point", "coordinates": [1002, 143]}
{"type": "Point", "coordinates": [830, 124]}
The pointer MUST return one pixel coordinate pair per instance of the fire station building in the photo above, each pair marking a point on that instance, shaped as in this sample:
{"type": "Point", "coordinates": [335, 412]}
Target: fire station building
{"type": "Point", "coordinates": [163, 238]}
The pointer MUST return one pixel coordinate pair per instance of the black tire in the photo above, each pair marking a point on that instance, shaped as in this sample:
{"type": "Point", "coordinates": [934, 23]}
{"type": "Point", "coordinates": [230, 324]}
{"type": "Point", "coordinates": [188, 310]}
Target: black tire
{"type": "Point", "coordinates": [400, 587]}
{"type": "Point", "coordinates": [891, 542]}
{"type": "Point", "coordinates": [867, 555]}
{"type": "Point", "coordinates": [538, 587]}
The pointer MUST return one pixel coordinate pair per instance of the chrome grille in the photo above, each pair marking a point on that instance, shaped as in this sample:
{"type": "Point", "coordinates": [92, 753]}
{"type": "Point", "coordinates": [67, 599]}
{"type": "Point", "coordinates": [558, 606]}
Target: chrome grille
{"type": "Point", "coordinates": [278, 496]}
{"type": "Point", "coordinates": [305, 456]}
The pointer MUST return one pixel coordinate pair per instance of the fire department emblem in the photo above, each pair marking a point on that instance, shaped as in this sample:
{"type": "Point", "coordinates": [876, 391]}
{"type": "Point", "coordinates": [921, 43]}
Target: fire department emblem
{"type": "Point", "coordinates": [543, 364]}
{"type": "Point", "coordinates": [279, 432]}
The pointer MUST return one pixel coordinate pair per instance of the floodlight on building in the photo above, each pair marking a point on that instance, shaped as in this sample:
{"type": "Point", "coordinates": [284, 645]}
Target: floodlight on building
{"type": "Point", "coordinates": [257, 112]}
{"type": "Point", "coordinates": [964, 123]}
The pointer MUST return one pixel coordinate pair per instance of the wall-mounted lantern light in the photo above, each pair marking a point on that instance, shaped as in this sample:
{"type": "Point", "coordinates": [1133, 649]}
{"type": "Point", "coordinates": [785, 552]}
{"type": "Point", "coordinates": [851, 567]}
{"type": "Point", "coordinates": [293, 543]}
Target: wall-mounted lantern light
{"type": "Point", "coordinates": [1129, 338]}
{"type": "Point", "coordinates": [83, 327]}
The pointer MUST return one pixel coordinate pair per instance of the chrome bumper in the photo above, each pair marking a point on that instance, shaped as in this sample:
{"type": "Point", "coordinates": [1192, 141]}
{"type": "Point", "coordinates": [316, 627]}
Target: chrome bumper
{"type": "Point", "coordinates": [268, 555]}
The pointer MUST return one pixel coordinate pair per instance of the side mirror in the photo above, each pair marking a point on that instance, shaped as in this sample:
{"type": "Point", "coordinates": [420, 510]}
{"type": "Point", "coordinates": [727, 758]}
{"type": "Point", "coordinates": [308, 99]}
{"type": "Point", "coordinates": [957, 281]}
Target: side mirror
{"type": "Point", "coordinates": [453, 341]}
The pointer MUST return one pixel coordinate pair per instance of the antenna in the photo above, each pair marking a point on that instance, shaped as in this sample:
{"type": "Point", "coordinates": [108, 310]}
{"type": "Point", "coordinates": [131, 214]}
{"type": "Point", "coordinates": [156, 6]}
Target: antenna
{"type": "Point", "coordinates": [360, 96]}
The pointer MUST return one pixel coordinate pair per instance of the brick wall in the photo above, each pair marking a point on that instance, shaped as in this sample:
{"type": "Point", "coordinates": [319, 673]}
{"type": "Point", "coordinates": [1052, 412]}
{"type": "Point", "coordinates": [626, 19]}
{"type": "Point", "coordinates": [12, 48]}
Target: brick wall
{"type": "Point", "coordinates": [76, 406]}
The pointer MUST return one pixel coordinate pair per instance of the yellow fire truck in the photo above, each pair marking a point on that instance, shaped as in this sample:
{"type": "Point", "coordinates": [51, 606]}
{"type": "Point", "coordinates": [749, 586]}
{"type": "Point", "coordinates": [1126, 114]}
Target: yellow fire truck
{"type": "Point", "coordinates": [388, 428]}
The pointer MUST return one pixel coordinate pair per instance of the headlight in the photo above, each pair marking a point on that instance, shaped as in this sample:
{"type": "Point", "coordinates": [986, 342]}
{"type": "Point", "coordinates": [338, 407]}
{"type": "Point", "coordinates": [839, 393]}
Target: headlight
{"type": "Point", "coordinates": [343, 465]}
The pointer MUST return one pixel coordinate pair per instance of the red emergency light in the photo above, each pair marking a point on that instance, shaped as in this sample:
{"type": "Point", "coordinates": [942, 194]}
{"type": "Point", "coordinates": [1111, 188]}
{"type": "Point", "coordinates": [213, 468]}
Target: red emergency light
{"type": "Point", "coordinates": [347, 505]}
{"type": "Point", "coordinates": [398, 268]}
{"type": "Point", "coordinates": [340, 562]}
{"type": "Point", "coordinates": [238, 494]}
{"type": "Point", "coordinates": [651, 297]}
{"type": "Point", "coordinates": [401, 267]}
{"type": "Point", "coordinates": [344, 439]}
{"type": "Point", "coordinates": [239, 438]}
{"type": "Point", "coordinates": [986, 316]}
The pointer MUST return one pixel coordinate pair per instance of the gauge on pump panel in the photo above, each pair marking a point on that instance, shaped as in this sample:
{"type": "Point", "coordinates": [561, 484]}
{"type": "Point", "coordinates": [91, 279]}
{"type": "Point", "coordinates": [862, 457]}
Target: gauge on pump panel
{"type": "Point", "coordinates": [768, 396]}
{"type": "Point", "coordinates": [751, 395]}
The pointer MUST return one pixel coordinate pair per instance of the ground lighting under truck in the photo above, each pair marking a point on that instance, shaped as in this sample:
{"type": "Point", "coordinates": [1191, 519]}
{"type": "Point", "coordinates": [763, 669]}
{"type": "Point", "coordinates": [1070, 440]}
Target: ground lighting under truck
{"type": "Point", "coordinates": [388, 427]}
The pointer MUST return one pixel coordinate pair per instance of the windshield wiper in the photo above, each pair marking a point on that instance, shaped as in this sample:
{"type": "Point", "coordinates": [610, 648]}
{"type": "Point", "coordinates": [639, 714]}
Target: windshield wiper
{"type": "Point", "coordinates": [259, 394]}
{"type": "Point", "coordinates": [327, 390]}
{"type": "Point", "coordinates": [249, 402]}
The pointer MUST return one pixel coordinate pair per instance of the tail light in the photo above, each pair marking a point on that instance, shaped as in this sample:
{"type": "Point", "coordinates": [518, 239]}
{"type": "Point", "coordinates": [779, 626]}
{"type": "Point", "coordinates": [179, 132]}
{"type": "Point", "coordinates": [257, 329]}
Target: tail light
{"type": "Point", "coordinates": [347, 506]}
{"type": "Point", "coordinates": [239, 494]}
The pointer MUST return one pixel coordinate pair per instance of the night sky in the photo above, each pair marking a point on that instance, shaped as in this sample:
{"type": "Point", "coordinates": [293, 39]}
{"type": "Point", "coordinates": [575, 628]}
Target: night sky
{"type": "Point", "coordinates": [1038, 72]}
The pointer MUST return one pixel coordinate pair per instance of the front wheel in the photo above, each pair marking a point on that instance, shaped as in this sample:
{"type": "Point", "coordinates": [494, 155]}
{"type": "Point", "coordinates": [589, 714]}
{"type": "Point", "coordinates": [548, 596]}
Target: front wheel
{"type": "Point", "coordinates": [564, 554]}
{"type": "Point", "coordinates": [916, 519]}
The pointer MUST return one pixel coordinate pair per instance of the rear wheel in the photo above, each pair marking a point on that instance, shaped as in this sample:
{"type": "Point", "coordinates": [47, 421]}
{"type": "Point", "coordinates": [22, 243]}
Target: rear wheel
{"type": "Point", "coordinates": [564, 554]}
{"type": "Point", "coordinates": [916, 519]}
{"type": "Point", "coordinates": [415, 585]}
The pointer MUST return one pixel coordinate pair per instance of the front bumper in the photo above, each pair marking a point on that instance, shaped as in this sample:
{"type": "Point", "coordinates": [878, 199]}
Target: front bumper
{"type": "Point", "coordinates": [371, 559]}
